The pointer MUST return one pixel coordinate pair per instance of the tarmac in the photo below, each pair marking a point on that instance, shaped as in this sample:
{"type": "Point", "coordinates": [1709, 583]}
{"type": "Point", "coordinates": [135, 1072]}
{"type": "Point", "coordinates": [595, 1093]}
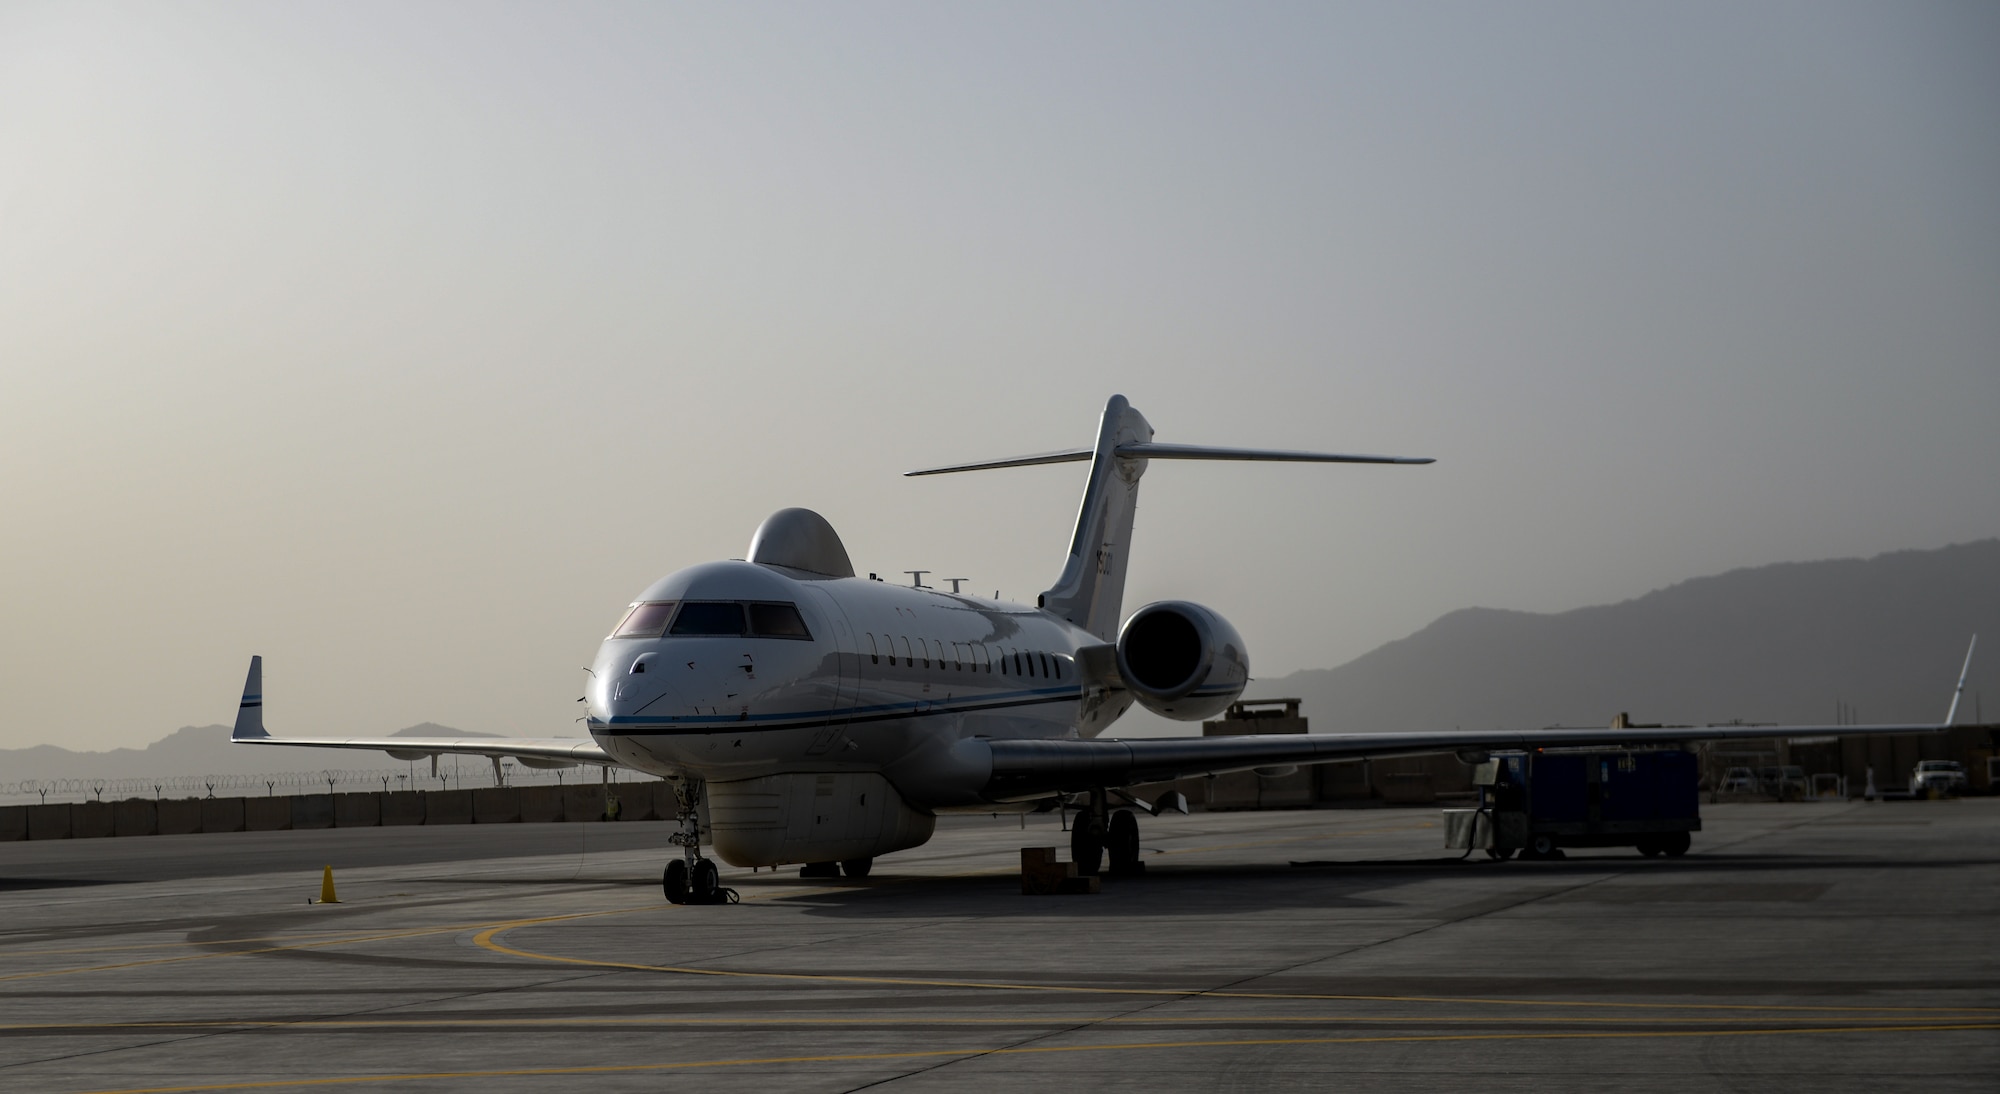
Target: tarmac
{"type": "Point", "coordinates": [1818, 946]}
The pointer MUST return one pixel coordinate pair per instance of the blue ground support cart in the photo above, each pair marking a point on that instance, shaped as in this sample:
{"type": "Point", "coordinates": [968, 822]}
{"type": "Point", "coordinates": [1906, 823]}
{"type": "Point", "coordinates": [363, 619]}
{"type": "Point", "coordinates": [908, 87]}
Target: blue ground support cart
{"type": "Point", "coordinates": [1537, 803]}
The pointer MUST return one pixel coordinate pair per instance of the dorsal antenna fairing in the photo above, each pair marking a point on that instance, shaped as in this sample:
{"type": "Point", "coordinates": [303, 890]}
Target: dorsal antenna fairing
{"type": "Point", "coordinates": [1091, 590]}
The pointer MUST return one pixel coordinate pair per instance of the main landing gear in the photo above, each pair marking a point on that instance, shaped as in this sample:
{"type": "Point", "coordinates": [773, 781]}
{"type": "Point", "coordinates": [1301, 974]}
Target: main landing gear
{"type": "Point", "coordinates": [1093, 834]}
{"type": "Point", "coordinates": [691, 879]}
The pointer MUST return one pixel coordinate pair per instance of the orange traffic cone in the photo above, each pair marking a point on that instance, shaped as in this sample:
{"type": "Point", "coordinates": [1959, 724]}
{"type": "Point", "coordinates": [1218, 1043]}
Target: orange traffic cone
{"type": "Point", "coordinates": [326, 888]}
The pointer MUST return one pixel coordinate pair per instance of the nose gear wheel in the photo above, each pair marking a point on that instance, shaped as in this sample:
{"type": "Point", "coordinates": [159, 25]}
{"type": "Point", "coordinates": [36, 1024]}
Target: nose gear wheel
{"type": "Point", "coordinates": [692, 879]}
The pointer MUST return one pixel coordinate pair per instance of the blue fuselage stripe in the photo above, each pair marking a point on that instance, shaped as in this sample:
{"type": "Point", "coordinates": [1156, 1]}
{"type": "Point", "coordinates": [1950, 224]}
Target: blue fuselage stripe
{"type": "Point", "coordinates": [702, 723]}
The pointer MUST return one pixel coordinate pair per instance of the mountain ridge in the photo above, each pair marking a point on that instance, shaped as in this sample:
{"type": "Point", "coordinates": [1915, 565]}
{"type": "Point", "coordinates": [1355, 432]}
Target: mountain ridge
{"type": "Point", "coordinates": [1782, 642]}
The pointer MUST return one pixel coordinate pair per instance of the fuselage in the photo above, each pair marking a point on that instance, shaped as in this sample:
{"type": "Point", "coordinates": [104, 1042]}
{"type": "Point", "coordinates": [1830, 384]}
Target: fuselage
{"type": "Point", "coordinates": [834, 675]}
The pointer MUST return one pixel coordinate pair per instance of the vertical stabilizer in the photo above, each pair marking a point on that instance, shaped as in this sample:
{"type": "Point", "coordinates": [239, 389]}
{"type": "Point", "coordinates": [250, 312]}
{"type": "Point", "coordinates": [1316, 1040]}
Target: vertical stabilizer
{"type": "Point", "coordinates": [1091, 589]}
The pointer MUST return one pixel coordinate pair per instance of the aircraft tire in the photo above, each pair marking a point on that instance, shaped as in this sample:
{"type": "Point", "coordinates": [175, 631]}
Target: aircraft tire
{"type": "Point", "coordinates": [1122, 841]}
{"type": "Point", "coordinates": [1086, 845]}
{"type": "Point", "coordinates": [674, 882]}
{"type": "Point", "coordinates": [705, 882]}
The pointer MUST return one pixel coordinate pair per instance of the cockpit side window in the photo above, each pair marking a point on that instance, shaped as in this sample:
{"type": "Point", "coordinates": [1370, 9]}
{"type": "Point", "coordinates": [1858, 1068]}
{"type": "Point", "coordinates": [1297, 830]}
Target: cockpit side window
{"type": "Point", "coordinates": [777, 621]}
{"type": "Point", "coordinates": [647, 620]}
{"type": "Point", "coordinates": [709, 617]}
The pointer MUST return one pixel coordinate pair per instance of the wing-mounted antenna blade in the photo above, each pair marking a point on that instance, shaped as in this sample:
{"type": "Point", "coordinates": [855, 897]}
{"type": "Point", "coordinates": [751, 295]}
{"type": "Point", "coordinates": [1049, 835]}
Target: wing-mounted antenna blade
{"type": "Point", "coordinates": [1153, 451]}
{"type": "Point", "coordinates": [1951, 714]}
{"type": "Point", "coordinates": [250, 712]}
{"type": "Point", "coordinates": [1073, 455]}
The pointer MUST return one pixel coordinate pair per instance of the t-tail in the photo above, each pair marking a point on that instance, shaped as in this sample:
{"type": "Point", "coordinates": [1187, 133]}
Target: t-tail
{"type": "Point", "coordinates": [1091, 591]}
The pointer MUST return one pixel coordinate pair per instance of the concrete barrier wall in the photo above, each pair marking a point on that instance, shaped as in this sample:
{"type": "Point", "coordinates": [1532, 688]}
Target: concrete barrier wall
{"type": "Point", "coordinates": [312, 811]}
{"type": "Point", "coordinates": [1409, 787]}
{"type": "Point", "coordinates": [267, 814]}
{"type": "Point", "coordinates": [447, 807]}
{"type": "Point", "coordinates": [1335, 782]}
{"type": "Point", "coordinates": [583, 803]}
{"type": "Point", "coordinates": [1236, 790]}
{"type": "Point", "coordinates": [179, 816]}
{"type": "Point", "coordinates": [363, 810]}
{"type": "Point", "coordinates": [1249, 790]}
{"type": "Point", "coordinates": [649, 800]}
{"type": "Point", "coordinates": [496, 805]}
{"type": "Point", "coordinates": [222, 814]}
{"type": "Point", "coordinates": [541, 804]}
{"type": "Point", "coordinates": [135, 817]}
{"type": "Point", "coordinates": [90, 820]}
{"type": "Point", "coordinates": [48, 821]}
{"type": "Point", "coordinates": [403, 807]}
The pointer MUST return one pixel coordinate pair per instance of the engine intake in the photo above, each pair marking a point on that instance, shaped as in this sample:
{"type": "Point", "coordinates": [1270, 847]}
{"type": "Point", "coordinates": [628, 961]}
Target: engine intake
{"type": "Point", "coordinates": [1181, 660]}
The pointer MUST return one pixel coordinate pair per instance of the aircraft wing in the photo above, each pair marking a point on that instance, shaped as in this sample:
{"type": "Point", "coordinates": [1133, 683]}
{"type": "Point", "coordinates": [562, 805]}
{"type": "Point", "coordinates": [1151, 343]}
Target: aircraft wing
{"type": "Point", "coordinates": [533, 751]}
{"type": "Point", "coordinates": [1024, 769]}
{"type": "Point", "coordinates": [1032, 768]}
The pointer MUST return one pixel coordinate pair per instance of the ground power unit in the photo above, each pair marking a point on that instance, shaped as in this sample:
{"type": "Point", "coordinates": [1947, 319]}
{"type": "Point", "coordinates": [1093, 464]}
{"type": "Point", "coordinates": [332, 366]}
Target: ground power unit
{"type": "Point", "coordinates": [1536, 803]}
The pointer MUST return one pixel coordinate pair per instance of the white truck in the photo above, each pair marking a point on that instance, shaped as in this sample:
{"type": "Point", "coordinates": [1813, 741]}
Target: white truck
{"type": "Point", "coordinates": [1939, 778]}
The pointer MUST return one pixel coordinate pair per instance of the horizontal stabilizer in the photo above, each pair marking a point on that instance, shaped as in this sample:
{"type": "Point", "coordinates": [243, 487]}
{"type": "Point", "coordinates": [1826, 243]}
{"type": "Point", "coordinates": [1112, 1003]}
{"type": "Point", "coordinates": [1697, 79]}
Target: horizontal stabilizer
{"type": "Point", "coordinates": [1209, 452]}
{"type": "Point", "coordinates": [1152, 451]}
{"type": "Point", "coordinates": [1074, 455]}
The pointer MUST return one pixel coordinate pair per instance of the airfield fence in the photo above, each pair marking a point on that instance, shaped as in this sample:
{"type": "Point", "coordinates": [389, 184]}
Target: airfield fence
{"type": "Point", "coordinates": [450, 776]}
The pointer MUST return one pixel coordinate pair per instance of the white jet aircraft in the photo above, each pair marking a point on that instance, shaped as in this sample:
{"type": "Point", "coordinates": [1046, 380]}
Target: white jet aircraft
{"type": "Point", "coordinates": [825, 719]}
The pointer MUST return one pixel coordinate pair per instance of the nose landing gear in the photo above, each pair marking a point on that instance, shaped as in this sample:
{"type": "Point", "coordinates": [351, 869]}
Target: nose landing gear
{"type": "Point", "coordinates": [691, 879]}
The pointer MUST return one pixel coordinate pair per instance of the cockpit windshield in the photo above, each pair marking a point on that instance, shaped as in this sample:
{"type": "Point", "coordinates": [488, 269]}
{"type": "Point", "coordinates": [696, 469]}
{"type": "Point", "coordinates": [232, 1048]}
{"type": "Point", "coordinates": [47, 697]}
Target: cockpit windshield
{"type": "Point", "coordinates": [777, 621]}
{"type": "Point", "coordinates": [713, 619]}
{"type": "Point", "coordinates": [647, 620]}
{"type": "Point", "coordinates": [710, 617]}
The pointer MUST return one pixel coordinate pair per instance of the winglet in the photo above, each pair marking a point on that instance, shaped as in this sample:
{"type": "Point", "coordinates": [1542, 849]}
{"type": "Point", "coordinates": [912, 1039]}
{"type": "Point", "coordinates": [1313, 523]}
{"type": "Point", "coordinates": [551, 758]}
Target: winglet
{"type": "Point", "coordinates": [1960, 690]}
{"type": "Point", "coordinates": [250, 716]}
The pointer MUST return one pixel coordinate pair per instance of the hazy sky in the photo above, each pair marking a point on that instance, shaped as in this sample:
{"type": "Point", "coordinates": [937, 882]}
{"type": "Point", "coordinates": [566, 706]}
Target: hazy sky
{"type": "Point", "coordinates": [405, 343]}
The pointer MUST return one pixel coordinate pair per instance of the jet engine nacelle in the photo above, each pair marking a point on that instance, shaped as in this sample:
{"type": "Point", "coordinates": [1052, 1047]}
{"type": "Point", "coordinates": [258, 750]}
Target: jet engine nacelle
{"type": "Point", "coordinates": [1181, 660]}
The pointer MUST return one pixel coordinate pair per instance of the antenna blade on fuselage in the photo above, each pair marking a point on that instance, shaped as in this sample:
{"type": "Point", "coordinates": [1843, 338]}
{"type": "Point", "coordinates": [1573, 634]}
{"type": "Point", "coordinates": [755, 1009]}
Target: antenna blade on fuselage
{"type": "Point", "coordinates": [1153, 451]}
{"type": "Point", "coordinates": [1074, 455]}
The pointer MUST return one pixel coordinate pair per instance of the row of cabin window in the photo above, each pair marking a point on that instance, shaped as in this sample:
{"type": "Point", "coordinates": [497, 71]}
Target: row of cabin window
{"type": "Point", "coordinates": [1012, 662]}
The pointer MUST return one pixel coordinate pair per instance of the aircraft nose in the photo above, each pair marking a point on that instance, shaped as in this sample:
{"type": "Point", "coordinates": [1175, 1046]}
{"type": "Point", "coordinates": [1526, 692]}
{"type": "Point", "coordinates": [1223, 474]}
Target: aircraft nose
{"type": "Point", "coordinates": [629, 695]}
